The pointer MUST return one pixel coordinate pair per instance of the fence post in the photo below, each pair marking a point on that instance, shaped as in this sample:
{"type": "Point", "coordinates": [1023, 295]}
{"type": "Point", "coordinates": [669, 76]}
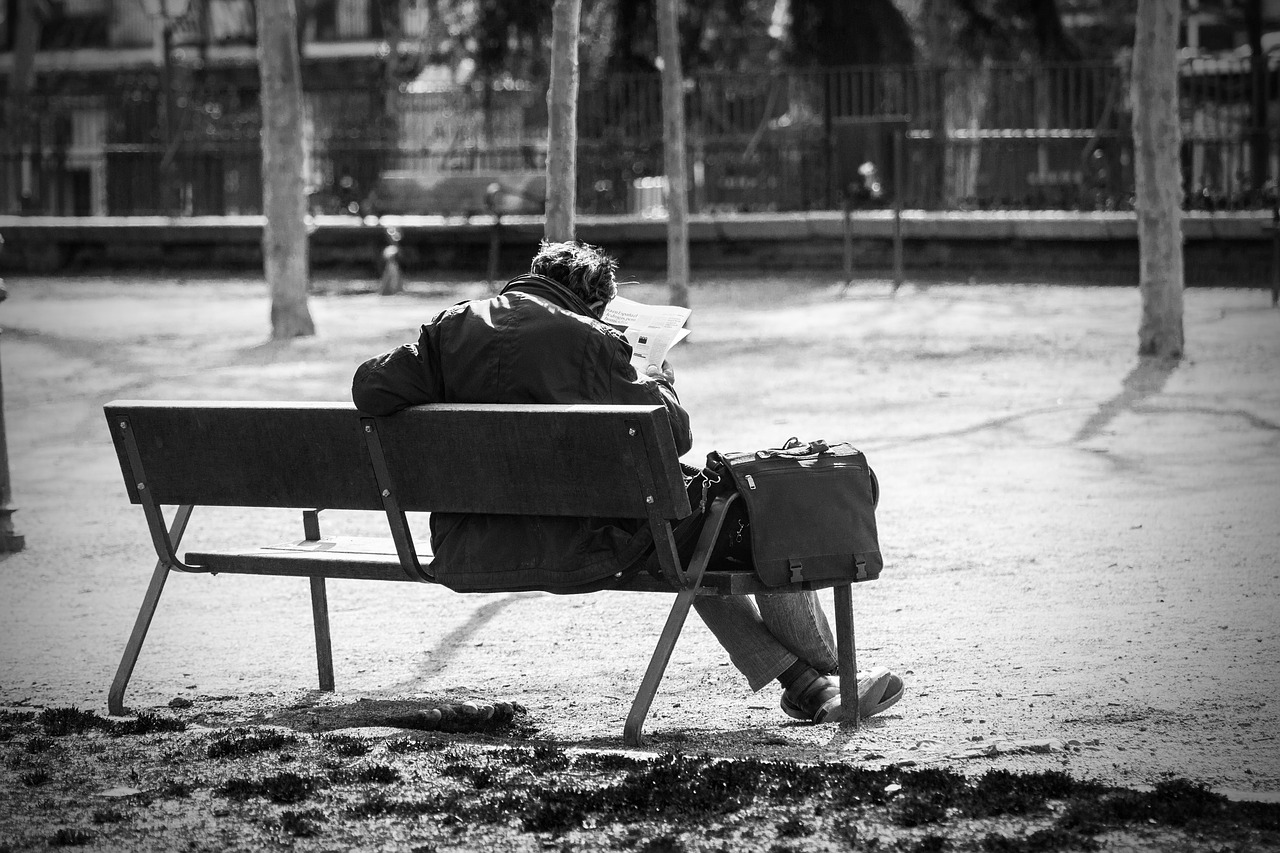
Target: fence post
{"type": "Point", "coordinates": [9, 541]}
{"type": "Point", "coordinates": [899, 172]}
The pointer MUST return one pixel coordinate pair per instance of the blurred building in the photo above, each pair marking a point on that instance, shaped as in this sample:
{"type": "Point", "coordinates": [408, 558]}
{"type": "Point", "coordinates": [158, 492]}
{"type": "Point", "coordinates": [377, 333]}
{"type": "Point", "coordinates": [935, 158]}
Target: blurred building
{"type": "Point", "coordinates": [129, 107]}
{"type": "Point", "coordinates": [152, 105]}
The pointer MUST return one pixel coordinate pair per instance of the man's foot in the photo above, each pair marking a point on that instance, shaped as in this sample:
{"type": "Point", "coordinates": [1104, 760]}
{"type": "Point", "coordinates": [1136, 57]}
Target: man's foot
{"type": "Point", "coordinates": [813, 698]}
{"type": "Point", "coordinates": [878, 690]}
{"type": "Point", "coordinates": [816, 698]}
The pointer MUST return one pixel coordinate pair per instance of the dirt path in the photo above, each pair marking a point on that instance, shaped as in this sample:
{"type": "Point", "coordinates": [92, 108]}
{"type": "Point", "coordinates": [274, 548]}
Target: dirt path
{"type": "Point", "coordinates": [1081, 551]}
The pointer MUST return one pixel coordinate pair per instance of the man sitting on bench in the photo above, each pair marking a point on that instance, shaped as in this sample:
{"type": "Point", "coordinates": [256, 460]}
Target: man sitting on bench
{"type": "Point", "coordinates": [541, 341]}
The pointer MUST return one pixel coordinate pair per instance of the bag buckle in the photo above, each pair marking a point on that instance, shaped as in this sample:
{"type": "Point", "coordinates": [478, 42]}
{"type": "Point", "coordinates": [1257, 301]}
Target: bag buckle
{"type": "Point", "coordinates": [797, 569]}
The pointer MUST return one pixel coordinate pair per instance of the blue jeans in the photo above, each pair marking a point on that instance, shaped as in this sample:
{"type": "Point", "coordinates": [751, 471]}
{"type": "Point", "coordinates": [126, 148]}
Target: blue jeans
{"type": "Point", "coordinates": [768, 635]}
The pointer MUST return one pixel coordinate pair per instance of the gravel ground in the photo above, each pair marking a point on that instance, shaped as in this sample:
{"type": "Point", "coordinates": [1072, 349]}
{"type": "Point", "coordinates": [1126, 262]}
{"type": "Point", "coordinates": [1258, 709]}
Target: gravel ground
{"type": "Point", "coordinates": [1081, 549]}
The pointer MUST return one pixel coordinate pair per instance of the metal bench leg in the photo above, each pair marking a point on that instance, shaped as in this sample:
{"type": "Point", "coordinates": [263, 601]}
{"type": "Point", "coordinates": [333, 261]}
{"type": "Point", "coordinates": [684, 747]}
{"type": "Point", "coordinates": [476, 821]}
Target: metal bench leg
{"type": "Point", "coordinates": [115, 697]}
{"type": "Point", "coordinates": [847, 655]}
{"type": "Point", "coordinates": [632, 733]}
{"type": "Point", "coordinates": [324, 649]}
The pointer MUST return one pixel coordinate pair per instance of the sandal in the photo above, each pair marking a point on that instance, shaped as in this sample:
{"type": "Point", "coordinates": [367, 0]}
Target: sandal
{"type": "Point", "coordinates": [816, 698]}
{"type": "Point", "coordinates": [813, 698]}
{"type": "Point", "coordinates": [878, 689]}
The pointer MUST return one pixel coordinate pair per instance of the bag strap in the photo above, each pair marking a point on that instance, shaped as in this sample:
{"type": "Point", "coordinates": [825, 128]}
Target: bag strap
{"type": "Point", "coordinates": [794, 447]}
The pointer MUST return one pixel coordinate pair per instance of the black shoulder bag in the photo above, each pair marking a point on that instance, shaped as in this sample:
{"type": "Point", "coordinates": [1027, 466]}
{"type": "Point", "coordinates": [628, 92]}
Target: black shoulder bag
{"type": "Point", "coordinates": [806, 512]}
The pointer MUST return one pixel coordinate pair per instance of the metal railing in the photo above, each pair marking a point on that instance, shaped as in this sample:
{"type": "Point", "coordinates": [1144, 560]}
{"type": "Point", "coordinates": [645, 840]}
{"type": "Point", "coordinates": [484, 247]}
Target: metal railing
{"type": "Point", "coordinates": [1000, 136]}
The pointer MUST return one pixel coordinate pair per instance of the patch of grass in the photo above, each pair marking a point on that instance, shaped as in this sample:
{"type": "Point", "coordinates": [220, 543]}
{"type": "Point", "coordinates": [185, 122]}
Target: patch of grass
{"type": "Point", "coordinates": [607, 761]}
{"type": "Point", "coordinates": [242, 741]}
{"type": "Point", "coordinates": [929, 844]}
{"type": "Point", "coordinates": [70, 837]}
{"type": "Point", "coordinates": [480, 778]}
{"type": "Point", "coordinates": [109, 815]}
{"type": "Point", "coordinates": [378, 804]}
{"type": "Point", "coordinates": [1040, 841]}
{"type": "Point", "coordinates": [794, 827]}
{"type": "Point", "coordinates": [378, 774]}
{"type": "Point", "coordinates": [302, 824]}
{"type": "Point", "coordinates": [176, 789]}
{"type": "Point", "coordinates": [39, 744]}
{"type": "Point", "coordinates": [16, 719]}
{"type": "Point", "coordinates": [859, 786]}
{"type": "Point", "coordinates": [34, 778]}
{"type": "Point", "coordinates": [1174, 802]}
{"type": "Point", "coordinates": [918, 808]}
{"type": "Point", "coordinates": [1000, 792]}
{"type": "Point", "coordinates": [926, 795]}
{"type": "Point", "coordinates": [410, 745]}
{"type": "Point", "coordinates": [664, 843]}
{"type": "Point", "coordinates": [672, 786]}
{"type": "Point", "coordinates": [285, 788]}
{"type": "Point", "coordinates": [348, 746]}
{"type": "Point", "coordinates": [792, 781]}
{"type": "Point", "coordinates": [58, 722]}
{"type": "Point", "coordinates": [540, 759]}
{"type": "Point", "coordinates": [146, 724]}
{"type": "Point", "coordinates": [934, 780]}
{"type": "Point", "coordinates": [238, 788]}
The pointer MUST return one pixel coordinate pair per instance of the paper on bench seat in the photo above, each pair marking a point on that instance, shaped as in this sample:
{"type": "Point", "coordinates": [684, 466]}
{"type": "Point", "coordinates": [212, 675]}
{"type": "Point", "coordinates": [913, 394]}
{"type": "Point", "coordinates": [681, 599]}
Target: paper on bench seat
{"type": "Point", "coordinates": [343, 545]}
{"type": "Point", "coordinates": [355, 557]}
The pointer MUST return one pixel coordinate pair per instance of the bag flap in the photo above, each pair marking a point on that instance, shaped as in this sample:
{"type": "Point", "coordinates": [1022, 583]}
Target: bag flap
{"type": "Point", "coordinates": [806, 500]}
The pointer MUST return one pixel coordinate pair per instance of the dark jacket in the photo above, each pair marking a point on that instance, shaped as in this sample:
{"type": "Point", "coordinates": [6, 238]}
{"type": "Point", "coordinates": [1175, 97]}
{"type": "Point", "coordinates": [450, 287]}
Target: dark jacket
{"type": "Point", "coordinates": [536, 342]}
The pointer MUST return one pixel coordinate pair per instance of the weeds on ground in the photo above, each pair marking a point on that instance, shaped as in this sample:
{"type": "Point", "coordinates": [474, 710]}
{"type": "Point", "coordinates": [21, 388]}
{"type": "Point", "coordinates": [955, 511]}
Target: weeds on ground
{"type": "Point", "coordinates": [436, 785]}
{"type": "Point", "coordinates": [241, 741]}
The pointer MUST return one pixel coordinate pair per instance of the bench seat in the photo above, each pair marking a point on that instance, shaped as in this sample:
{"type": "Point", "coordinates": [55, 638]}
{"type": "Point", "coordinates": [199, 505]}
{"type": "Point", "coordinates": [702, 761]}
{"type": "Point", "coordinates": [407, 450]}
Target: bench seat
{"type": "Point", "coordinates": [374, 558]}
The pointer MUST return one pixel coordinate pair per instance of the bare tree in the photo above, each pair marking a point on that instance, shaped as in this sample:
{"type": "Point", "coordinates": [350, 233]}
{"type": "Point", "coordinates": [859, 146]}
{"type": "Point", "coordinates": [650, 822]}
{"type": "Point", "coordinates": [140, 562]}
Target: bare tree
{"type": "Point", "coordinates": [284, 237]}
{"type": "Point", "coordinates": [673, 135]}
{"type": "Point", "coordinates": [562, 130]}
{"type": "Point", "coordinates": [1157, 141]}
{"type": "Point", "coordinates": [19, 117]}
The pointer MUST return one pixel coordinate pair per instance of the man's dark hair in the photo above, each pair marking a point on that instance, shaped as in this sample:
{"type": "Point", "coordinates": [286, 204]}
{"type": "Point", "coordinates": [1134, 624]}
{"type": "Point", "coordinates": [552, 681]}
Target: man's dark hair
{"type": "Point", "coordinates": [585, 269]}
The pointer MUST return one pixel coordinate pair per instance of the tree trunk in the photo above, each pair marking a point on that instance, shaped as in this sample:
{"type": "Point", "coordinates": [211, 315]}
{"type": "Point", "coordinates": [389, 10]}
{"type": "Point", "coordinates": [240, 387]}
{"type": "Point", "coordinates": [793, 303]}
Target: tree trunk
{"type": "Point", "coordinates": [674, 153]}
{"type": "Point", "coordinates": [18, 113]}
{"type": "Point", "coordinates": [1157, 142]}
{"type": "Point", "coordinates": [562, 130]}
{"type": "Point", "coordinates": [1259, 138]}
{"type": "Point", "coordinates": [284, 238]}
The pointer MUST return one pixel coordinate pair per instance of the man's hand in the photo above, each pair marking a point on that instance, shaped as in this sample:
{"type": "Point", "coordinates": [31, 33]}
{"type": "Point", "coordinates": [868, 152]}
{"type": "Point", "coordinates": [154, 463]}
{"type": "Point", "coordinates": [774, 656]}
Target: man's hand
{"type": "Point", "coordinates": [666, 372]}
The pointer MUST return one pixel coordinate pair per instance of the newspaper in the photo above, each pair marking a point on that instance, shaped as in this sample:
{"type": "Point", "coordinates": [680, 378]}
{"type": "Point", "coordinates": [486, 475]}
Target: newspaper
{"type": "Point", "coordinates": [652, 330]}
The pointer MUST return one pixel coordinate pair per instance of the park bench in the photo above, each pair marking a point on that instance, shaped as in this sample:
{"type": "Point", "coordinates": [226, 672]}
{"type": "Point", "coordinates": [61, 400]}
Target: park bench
{"type": "Point", "coordinates": [467, 194]}
{"type": "Point", "coordinates": [603, 461]}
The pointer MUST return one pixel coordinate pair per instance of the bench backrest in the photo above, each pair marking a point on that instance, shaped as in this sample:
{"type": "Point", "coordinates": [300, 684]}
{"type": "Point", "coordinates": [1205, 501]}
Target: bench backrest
{"type": "Point", "coordinates": [605, 461]}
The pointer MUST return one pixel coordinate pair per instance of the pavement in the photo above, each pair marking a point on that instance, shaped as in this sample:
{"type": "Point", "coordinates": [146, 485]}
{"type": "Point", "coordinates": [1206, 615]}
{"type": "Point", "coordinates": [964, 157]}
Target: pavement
{"type": "Point", "coordinates": [1081, 568]}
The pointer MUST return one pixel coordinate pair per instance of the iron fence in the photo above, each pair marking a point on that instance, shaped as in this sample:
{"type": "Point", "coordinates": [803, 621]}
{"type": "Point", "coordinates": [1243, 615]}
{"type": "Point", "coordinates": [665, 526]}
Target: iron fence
{"type": "Point", "coordinates": [999, 136]}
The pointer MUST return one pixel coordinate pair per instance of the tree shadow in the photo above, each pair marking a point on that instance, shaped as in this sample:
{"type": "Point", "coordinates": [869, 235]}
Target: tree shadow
{"type": "Point", "coordinates": [1147, 378]}
{"type": "Point", "coordinates": [439, 656]}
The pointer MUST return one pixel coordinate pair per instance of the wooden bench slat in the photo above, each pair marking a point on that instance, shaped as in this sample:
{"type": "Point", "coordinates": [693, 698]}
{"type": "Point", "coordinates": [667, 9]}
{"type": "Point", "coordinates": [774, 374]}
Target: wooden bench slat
{"type": "Point", "coordinates": [374, 557]}
{"type": "Point", "coordinates": [274, 561]}
{"type": "Point", "coordinates": [380, 545]}
{"type": "Point", "coordinates": [532, 460]}
{"type": "Point", "coordinates": [522, 460]}
{"type": "Point", "coordinates": [719, 583]}
{"type": "Point", "coordinates": [245, 454]}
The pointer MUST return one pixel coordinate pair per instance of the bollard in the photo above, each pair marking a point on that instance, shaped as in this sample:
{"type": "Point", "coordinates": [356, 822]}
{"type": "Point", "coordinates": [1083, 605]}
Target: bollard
{"type": "Point", "coordinates": [491, 196]}
{"type": "Point", "coordinates": [9, 541]}
{"type": "Point", "coordinates": [391, 283]}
